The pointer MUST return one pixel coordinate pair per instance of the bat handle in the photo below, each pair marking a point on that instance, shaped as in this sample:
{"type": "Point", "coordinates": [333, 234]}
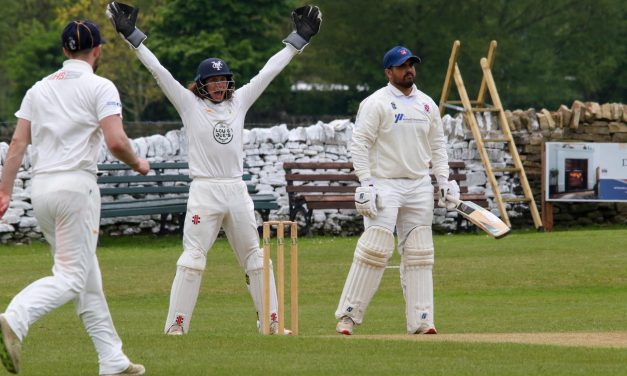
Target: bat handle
{"type": "Point", "coordinates": [453, 199]}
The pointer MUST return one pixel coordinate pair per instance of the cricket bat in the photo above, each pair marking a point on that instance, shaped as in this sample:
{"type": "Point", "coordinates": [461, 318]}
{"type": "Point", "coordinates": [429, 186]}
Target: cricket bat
{"type": "Point", "coordinates": [480, 217]}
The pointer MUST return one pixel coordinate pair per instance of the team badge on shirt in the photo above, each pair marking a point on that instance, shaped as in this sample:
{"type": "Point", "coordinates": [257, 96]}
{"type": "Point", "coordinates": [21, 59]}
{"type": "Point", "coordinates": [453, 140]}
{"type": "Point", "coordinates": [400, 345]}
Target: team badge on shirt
{"type": "Point", "coordinates": [426, 107]}
{"type": "Point", "coordinates": [222, 133]}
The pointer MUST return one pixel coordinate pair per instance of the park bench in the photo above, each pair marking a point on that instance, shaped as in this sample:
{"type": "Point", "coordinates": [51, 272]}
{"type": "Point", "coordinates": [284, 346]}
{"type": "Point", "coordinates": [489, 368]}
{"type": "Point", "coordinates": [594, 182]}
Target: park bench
{"type": "Point", "coordinates": [331, 185]}
{"type": "Point", "coordinates": [164, 191]}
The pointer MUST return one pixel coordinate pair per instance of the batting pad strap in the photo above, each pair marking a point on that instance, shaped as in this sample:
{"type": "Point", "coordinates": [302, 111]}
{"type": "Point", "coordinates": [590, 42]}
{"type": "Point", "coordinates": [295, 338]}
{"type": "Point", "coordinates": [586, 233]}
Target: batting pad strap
{"type": "Point", "coordinates": [295, 41]}
{"type": "Point", "coordinates": [375, 247]}
{"type": "Point", "coordinates": [418, 250]}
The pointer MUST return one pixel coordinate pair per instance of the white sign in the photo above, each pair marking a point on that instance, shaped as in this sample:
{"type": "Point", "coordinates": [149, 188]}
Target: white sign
{"type": "Point", "coordinates": [583, 171]}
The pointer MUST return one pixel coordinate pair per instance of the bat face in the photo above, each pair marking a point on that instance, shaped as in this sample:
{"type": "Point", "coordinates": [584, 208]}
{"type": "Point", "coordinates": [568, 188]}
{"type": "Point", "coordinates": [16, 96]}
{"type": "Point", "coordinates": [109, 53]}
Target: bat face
{"type": "Point", "coordinates": [483, 219]}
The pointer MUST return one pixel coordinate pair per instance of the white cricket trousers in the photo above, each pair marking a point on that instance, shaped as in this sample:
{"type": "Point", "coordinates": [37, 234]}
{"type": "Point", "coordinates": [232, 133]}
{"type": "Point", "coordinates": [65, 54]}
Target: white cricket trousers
{"type": "Point", "coordinates": [67, 208]}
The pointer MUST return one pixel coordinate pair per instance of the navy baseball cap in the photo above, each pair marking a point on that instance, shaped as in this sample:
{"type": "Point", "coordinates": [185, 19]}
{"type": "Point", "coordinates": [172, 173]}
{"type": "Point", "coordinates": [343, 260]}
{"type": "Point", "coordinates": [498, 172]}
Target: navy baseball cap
{"type": "Point", "coordinates": [81, 35]}
{"type": "Point", "coordinates": [397, 56]}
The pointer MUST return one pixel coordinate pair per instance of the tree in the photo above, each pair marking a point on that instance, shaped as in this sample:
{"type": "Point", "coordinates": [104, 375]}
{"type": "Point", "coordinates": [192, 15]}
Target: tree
{"type": "Point", "coordinates": [118, 63]}
{"type": "Point", "coordinates": [27, 50]}
{"type": "Point", "coordinates": [244, 34]}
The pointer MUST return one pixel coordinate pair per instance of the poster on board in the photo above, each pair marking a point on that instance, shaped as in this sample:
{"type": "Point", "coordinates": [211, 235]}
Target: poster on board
{"type": "Point", "coordinates": [585, 171]}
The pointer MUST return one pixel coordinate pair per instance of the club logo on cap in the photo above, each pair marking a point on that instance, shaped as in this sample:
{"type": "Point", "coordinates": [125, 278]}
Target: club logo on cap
{"type": "Point", "coordinates": [216, 65]}
{"type": "Point", "coordinates": [403, 51]}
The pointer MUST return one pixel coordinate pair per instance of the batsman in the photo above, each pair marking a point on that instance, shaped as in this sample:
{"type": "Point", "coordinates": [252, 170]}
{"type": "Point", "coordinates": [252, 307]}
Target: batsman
{"type": "Point", "coordinates": [213, 112]}
{"type": "Point", "coordinates": [398, 133]}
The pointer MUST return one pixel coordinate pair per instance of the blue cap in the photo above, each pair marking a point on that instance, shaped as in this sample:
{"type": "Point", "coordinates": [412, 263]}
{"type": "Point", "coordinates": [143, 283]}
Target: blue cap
{"type": "Point", "coordinates": [81, 35]}
{"type": "Point", "coordinates": [397, 56]}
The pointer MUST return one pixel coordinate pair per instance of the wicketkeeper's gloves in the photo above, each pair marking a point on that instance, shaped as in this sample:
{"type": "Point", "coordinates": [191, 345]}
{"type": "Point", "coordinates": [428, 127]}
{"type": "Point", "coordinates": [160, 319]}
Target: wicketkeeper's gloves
{"type": "Point", "coordinates": [307, 21]}
{"type": "Point", "coordinates": [123, 17]}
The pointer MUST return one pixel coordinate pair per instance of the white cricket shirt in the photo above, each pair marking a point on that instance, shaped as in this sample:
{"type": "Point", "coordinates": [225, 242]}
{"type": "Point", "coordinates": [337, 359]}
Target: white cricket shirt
{"type": "Point", "coordinates": [396, 136]}
{"type": "Point", "coordinates": [215, 131]}
{"type": "Point", "coordinates": [65, 109]}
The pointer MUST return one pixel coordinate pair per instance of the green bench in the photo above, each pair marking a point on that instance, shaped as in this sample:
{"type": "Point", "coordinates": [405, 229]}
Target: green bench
{"type": "Point", "coordinates": [164, 191]}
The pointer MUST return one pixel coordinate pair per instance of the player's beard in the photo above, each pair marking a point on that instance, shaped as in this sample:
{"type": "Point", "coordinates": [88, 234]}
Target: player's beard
{"type": "Point", "coordinates": [406, 82]}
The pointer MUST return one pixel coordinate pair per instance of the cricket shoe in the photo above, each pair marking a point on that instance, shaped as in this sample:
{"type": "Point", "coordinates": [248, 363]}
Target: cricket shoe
{"type": "Point", "coordinates": [175, 330]}
{"type": "Point", "coordinates": [133, 369]}
{"type": "Point", "coordinates": [10, 347]}
{"type": "Point", "coordinates": [345, 326]}
{"type": "Point", "coordinates": [426, 330]}
{"type": "Point", "coordinates": [274, 329]}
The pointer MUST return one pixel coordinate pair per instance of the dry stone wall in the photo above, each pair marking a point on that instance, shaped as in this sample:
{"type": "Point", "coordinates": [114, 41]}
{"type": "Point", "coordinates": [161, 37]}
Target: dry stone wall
{"type": "Point", "coordinates": [267, 148]}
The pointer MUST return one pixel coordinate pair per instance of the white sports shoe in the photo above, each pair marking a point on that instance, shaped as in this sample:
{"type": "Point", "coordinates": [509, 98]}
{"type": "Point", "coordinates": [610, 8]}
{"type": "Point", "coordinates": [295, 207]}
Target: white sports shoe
{"type": "Point", "coordinates": [175, 330]}
{"type": "Point", "coordinates": [10, 347]}
{"type": "Point", "coordinates": [345, 326]}
{"type": "Point", "coordinates": [426, 330]}
{"type": "Point", "coordinates": [274, 329]}
{"type": "Point", "coordinates": [133, 369]}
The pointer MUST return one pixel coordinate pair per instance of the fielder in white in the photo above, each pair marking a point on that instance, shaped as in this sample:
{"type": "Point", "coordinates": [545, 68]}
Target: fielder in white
{"type": "Point", "coordinates": [398, 132]}
{"type": "Point", "coordinates": [66, 116]}
{"type": "Point", "coordinates": [213, 114]}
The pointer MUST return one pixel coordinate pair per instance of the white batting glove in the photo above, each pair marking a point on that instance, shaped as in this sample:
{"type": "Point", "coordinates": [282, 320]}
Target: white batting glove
{"type": "Point", "coordinates": [447, 188]}
{"type": "Point", "coordinates": [366, 199]}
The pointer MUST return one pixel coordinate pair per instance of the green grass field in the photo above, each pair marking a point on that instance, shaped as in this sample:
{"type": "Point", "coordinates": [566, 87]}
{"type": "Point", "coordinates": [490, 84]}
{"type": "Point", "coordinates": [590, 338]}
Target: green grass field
{"type": "Point", "coordinates": [553, 285]}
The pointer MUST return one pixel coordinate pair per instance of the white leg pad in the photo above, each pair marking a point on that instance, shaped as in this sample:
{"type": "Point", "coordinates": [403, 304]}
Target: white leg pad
{"type": "Point", "coordinates": [416, 275]}
{"type": "Point", "coordinates": [185, 289]}
{"type": "Point", "coordinates": [254, 271]}
{"type": "Point", "coordinates": [374, 249]}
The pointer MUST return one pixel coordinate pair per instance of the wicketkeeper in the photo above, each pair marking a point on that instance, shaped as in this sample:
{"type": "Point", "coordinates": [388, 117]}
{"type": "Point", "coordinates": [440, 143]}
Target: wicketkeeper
{"type": "Point", "coordinates": [213, 113]}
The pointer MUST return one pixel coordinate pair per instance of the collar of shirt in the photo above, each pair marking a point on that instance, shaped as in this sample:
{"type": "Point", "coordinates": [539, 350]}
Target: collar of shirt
{"type": "Point", "coordinates": [398, 93]}
{"type": "Point", "coordinates": [78, 65]}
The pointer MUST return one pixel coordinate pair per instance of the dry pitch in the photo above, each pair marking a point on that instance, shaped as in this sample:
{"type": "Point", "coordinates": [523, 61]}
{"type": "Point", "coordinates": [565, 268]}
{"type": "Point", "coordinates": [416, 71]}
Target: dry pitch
{"type": "Point", "coordinates": [579, 339]}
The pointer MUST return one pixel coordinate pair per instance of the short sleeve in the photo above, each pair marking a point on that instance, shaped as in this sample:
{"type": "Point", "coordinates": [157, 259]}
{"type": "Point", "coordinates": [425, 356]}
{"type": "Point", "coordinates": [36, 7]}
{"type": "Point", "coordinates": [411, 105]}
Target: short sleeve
{"type": "Point", "coordinates": [107, 100]}
{"type": "Point", "coordinates": [26, 109]}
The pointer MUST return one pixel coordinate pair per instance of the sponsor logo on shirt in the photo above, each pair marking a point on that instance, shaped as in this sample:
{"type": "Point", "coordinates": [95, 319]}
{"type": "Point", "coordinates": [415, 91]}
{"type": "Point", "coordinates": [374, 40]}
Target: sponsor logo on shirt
{"type": "Point", "coordinates": [114, 104]}
{"type": "Point", "coordinates": [64, 75]}
{"type": "Point", "coordinates": [222, 133]}
{"type": "Point", "coordinates": [401, 118]}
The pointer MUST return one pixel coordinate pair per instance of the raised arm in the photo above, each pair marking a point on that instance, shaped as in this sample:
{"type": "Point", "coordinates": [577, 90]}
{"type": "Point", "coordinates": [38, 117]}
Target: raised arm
{"type": "Point", "coordinates": [306, 21]}
{"type": "Point", "coordinates": [124, 17]}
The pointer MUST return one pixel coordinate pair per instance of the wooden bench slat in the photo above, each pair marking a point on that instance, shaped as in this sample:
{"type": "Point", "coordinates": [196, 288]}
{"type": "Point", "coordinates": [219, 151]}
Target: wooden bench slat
{"type": "Point", "coordinates": [112, 179]}
{"type": "Point", "coordinates": [155, 166]}
{"type": "Point", "coordinates": [317, 165]}
{"type": "Point", "coordinates": [331, 205]}
{"type": "Point", "coordinates": [143, 190]}
{"type": "Point", "coordinates": [321, 177]}
{"type": "Point", "coordinates": [318, 188]}
{"type": "Point", "coordinates": [329, 198]}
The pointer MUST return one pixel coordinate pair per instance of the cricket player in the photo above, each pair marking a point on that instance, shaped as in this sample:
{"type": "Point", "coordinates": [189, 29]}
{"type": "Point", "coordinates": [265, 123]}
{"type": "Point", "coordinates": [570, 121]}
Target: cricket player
{"type": "Point", "coordinates": [66, 116]}
{"type": "Point", "coordinates": [398, 132]}
{"type": "Point", "coordinates": [213, 114]}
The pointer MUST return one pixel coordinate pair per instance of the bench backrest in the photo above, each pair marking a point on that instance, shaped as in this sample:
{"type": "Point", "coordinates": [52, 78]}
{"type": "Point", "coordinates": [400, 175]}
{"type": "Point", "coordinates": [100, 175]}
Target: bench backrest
{"type": "Point", "coordinates": [314, 177]}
